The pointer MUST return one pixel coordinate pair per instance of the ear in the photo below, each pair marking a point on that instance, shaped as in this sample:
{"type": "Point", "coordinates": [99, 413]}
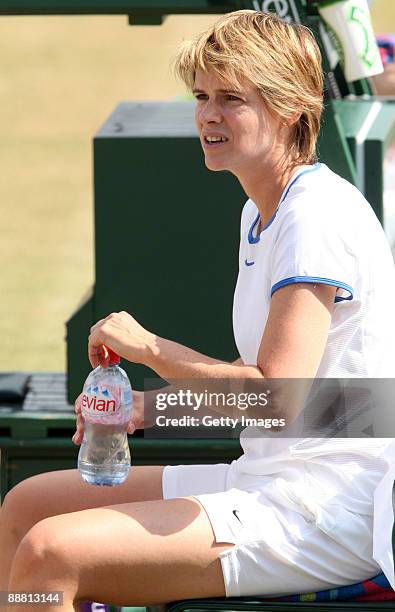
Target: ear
{"type": "Point", "coordinates": [290, 121]}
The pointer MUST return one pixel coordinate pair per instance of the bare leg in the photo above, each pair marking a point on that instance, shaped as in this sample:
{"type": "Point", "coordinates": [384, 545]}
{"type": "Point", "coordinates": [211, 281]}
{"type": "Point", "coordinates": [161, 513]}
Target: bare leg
{"type": "Point", "coordinates": [137, 554]}
{"type": "Point", "coordinates": [61, 492]}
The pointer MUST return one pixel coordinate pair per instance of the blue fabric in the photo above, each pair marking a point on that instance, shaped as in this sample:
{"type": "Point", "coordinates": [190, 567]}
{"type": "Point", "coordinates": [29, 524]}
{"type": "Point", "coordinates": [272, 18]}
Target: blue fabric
{"type": "Point", "coordinates": [376, 588]}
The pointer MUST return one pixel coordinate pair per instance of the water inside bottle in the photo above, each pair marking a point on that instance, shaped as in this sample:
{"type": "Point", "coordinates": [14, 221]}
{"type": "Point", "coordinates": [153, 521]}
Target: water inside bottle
{"type": "Point", "coordinates": [104, 457]}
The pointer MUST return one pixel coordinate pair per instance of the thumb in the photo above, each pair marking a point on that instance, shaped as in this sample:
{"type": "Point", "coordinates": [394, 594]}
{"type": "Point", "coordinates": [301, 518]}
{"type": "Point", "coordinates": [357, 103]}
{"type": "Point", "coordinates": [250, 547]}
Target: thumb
{"type": "Point", "coordinates": [131, 428]}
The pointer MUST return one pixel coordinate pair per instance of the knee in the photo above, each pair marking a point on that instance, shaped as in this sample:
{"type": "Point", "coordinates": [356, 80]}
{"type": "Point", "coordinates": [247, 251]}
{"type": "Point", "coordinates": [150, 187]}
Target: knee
{"type": "Point", "coordinates": [40, 553]}
{"type": "Point", "coordinates": [18, 511]}
{"type": "Point", "coordinates": [30, 554]}
{"type": "Point", "coordinates": [11, 514]}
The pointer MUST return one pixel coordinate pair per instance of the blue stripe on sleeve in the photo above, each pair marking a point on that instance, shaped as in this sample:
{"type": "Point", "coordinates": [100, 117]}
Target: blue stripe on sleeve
{"type": "Point", "coordinates": [315, 279]}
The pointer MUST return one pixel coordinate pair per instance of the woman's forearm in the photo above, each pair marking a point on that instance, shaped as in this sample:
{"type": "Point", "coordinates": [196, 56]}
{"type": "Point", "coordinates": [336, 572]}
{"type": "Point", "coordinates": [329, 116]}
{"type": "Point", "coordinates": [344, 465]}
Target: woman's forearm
{"type": "Point", "coordinates": [171, 360]}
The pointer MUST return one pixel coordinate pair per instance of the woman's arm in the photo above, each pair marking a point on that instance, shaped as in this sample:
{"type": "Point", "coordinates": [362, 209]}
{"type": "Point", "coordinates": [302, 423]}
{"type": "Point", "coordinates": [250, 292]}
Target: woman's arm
{"type": "Point", "coordinates": [296, 331]}
{"type": "Point", "coordinates": [292, 344]}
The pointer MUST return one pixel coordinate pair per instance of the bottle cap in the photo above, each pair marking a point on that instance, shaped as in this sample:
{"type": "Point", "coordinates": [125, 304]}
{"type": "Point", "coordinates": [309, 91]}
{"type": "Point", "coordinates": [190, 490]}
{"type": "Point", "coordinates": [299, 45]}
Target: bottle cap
{"type": "Point", "coordinates": [113, 358]}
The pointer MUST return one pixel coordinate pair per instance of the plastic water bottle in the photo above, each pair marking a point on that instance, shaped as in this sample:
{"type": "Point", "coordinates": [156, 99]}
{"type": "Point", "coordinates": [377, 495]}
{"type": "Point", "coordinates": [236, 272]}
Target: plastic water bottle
{"type": "Point", "coordinates": [104, 456]}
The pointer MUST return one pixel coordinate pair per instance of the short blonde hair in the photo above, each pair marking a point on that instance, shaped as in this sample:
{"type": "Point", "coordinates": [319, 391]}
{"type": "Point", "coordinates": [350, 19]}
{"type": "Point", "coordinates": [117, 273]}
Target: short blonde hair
{"type": "Point", "coordinates": [281, 59]}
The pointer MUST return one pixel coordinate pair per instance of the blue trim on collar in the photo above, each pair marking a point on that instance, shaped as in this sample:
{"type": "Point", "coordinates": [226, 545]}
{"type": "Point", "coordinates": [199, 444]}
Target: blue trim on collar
{"type": "Point", "coordinates": [315, 279]}
{"type": "Point", "coordinates": [251, 238]}
{"type": "Point", "coordinates": [254, 239]}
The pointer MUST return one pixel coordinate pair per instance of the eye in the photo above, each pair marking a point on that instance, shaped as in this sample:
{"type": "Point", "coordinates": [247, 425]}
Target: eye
{"type": "Point", "coordinates": [232, 98]}
{"type": "Point", "coordinates": [201, 96]}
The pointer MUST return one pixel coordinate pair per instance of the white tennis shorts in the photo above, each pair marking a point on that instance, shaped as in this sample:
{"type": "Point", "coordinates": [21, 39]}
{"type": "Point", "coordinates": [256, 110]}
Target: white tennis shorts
{"type": "Point", "coordinates": [278, 550]}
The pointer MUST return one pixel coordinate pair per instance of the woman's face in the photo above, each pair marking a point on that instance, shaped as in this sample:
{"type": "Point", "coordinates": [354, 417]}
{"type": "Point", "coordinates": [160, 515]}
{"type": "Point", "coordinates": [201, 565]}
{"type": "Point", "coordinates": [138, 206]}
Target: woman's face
{"type": "Point", "coordinates": [236, 131]}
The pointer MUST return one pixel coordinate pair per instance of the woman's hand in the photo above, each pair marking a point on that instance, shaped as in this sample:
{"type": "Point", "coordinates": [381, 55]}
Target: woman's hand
{"type": "Point", "coordinates": [124, 335]}
{"type": "Point", "coordinates": [136, 420]}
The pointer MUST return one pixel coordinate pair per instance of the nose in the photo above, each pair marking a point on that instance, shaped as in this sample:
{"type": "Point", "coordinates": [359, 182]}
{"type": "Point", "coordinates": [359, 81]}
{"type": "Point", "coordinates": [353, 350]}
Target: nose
{"type": "Point", "coordinates": [208, 111]}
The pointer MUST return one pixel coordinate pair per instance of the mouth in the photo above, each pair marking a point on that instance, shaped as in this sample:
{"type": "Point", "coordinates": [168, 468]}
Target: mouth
{"type": "Point", "coordinates": [214, 141]}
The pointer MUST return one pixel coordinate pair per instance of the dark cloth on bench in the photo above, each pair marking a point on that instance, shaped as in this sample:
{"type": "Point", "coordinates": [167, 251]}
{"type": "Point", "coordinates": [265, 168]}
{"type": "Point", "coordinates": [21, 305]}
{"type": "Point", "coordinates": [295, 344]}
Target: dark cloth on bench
{"type": "Point", "coordinates": [375, 589]}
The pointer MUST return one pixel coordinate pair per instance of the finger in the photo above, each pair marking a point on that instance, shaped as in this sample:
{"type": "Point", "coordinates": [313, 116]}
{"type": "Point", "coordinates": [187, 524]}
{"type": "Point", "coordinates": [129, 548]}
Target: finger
{"type": "Point", "coordinates": [77, 404]}
{"type": "Point", "coordinates": [101, 322]}
{"type": "Point", "coordinates": [98, 324]}
{"type": "Point", "coordinates": [79, 426]}
{"type": "Point", "coordinates": [93, 355]}
{"type": "Point", "coordinates": [79, 429]}
{"type": "Point", "coordinates": [131, 428]}
{"type": "Point", "coordinates": [104, 356]}
{"type": "Point", "coordinates": [97, 353]}
{"type": "Point", "coordinates": [79, 433]}
{"type": "Point", "coordinates": [77, 437]}
{"type": "Point", "coordinates": [126, 315]}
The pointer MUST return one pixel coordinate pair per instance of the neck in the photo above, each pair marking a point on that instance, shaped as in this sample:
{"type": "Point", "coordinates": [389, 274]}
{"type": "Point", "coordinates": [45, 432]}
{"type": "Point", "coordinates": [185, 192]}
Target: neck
{"type": "Point", "coordinates": [265, 189]}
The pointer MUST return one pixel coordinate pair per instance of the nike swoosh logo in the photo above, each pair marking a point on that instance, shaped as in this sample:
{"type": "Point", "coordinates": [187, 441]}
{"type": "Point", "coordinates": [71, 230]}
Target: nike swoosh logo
{"type": "Point", "coordinates": [235, 513]}
{"type": "Point", "coordinates": [249, 263]}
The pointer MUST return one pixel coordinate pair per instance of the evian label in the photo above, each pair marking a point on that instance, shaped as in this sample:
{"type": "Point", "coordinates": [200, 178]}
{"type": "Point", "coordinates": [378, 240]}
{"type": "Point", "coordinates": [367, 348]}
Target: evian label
{"type": "Point", "coordinates": [102, 404]}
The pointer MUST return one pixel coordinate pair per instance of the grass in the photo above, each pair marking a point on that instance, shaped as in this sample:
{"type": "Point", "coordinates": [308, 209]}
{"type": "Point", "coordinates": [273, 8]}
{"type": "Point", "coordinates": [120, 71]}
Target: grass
{"type": "Point", "coordinates": [60, 79]}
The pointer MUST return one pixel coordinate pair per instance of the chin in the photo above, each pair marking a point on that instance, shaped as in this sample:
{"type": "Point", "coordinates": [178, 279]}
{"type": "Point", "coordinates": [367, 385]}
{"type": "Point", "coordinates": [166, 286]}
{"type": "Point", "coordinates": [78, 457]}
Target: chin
{"type": "Point", "coordinates": [215, 165]}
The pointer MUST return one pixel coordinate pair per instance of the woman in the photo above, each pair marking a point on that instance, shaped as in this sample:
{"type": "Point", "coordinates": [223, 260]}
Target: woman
{"type": "Point", "coordinates": [309, 302]}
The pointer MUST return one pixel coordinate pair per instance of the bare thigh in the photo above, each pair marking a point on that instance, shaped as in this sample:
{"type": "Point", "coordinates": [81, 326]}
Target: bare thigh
{"type": "Point", "coordinates": [64, 491]}
{"type": "Point", "coordinates": [128, 554]}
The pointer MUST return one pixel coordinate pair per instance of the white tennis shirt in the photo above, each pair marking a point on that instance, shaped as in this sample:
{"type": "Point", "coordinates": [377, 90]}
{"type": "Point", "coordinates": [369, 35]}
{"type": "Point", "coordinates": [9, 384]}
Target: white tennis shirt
{"type": "Point", "coordinates": [323, 231]}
